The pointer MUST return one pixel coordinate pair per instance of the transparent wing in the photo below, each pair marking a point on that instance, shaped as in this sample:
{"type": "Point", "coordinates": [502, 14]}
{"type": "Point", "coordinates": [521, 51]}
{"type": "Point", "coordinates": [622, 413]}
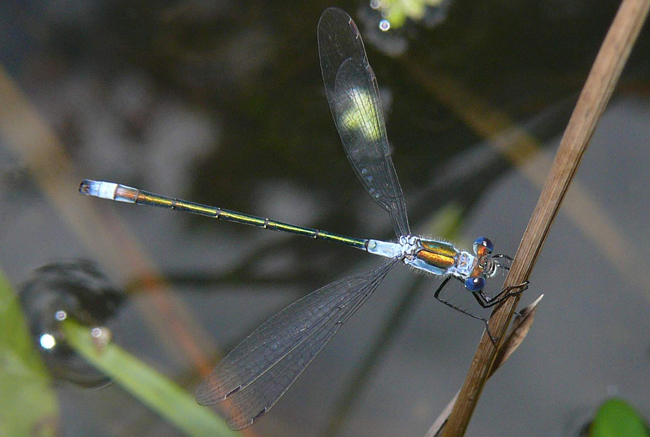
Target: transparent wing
{"type": "Point", "coordinates": [263, 366]}
{"type": "Point", "coordinates": [353, 96]}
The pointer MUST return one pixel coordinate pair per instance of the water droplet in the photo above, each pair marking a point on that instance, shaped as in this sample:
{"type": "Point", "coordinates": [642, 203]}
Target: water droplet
{"type": "Point", "coordinates": [384, 25]}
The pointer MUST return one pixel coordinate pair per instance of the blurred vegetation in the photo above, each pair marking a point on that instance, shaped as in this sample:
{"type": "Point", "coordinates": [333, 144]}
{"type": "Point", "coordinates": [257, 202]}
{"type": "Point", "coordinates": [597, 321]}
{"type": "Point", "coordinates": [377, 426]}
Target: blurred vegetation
{"type": "Point", "coordinates": [28, 404]}
{"type": "Point", "coordinates": [617, 418]}
{"type": "Point", "coordinates": [153, 389]}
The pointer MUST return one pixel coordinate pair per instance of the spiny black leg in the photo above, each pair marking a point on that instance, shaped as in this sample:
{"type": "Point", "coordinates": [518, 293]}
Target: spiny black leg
{"type": "Point", "coordinates": [441, 287]}
{"type": "Point", "coordinates": [488, 302]}
{"type": "Point", "coordinates": [467, 313]}
{"type": "Point", "coordinates": [489, 333]}
{"type": "Point", "coordinates": [502, 256]}
{"type": "Point", "coordinates": [450, 305]}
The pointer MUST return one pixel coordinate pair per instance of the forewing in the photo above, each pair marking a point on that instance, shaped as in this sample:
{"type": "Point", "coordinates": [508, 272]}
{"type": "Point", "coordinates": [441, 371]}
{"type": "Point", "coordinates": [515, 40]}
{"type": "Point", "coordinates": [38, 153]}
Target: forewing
{"type": "Point", "coordinates": [352, 93]}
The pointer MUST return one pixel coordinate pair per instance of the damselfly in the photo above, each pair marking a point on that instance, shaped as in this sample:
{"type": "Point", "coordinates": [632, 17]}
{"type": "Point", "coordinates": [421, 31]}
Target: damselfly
{"type": "Point", "coordinates": [262, 367]}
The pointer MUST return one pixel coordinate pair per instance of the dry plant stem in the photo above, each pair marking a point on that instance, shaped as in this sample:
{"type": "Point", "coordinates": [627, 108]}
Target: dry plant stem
{"type": "Point", "coordinates": [518, 332]}
{"type": "Point", "coordinates": [594, 97]}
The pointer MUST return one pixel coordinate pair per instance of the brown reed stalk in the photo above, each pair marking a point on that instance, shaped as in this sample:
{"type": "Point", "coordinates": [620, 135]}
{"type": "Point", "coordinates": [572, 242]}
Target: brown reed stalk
{"type": "Point", "coordinates": [597, 91]}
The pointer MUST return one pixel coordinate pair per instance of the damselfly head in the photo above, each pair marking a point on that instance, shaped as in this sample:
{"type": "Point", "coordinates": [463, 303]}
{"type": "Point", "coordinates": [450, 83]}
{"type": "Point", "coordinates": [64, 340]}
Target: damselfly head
{"type": "Point", "coordinates": [487, 266]}
{"type": "Point", "coordinates": [488, 263]}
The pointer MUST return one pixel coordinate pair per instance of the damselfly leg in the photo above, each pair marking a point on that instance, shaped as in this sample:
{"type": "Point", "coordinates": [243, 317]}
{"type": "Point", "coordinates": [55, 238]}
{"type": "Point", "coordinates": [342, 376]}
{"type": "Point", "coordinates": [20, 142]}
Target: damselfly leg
{"type": "Point", "coordinates": [484, 300]}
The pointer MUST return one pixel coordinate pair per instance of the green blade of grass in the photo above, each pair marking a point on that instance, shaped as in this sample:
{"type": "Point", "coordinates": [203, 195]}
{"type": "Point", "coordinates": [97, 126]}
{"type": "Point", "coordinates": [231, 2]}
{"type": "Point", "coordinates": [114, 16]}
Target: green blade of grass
{"type": "Point", "coordinates": [149, 386]}
{"type": "Point", "coordinates": [28, 405]}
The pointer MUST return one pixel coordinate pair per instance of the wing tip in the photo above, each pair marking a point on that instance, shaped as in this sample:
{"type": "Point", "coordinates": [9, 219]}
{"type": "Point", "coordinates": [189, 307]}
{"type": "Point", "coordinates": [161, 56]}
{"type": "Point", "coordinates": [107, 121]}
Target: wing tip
{"type": "Point", "coordinates": [210, 393]}
{"type": "Point", "coordinates": [237, 424]}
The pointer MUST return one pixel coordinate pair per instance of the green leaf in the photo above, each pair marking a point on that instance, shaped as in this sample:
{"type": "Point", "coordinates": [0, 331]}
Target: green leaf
{"type": "Point", "coordinates": [28, 404]}
{"type": "Point", "coordinates": [617, 418]}
{"type": "Point", "coordinates": [152, 388]}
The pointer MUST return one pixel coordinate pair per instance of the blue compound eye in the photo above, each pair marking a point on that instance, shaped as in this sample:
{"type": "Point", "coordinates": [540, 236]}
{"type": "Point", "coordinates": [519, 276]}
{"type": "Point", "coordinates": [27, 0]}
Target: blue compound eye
{"type": "Point", "coordinates": [475, 284]}
{"type": "Point", "coordinates": [483, 246]}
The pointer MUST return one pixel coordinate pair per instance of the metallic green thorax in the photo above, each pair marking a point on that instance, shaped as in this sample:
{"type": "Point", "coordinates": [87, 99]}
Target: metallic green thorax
{"type": "Point", "coordinates": [438, 255]}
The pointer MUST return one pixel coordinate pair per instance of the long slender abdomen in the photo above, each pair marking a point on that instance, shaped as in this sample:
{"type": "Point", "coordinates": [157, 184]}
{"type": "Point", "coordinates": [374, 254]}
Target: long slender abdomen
{"type": "Point", "coordinates": [123, 193]}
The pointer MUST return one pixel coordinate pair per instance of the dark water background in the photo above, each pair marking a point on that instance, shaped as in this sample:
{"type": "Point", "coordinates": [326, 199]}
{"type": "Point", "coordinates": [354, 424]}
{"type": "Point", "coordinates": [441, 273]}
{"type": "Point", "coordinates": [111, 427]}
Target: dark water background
{"type": "Point", "coordinates": [222, 103]}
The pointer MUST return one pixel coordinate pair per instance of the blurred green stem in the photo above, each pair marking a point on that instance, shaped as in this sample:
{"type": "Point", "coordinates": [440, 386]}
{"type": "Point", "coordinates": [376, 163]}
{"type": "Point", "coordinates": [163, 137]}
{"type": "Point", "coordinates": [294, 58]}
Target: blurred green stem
{"type": "Point", "coordinates": [154, 390]}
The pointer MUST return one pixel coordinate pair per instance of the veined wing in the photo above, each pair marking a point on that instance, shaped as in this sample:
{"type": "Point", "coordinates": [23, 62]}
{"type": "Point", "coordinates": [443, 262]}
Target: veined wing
{"type": "Point", "coordinates": [263, 366]}
{"type": "Point", "coordinates": [353, 96]}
